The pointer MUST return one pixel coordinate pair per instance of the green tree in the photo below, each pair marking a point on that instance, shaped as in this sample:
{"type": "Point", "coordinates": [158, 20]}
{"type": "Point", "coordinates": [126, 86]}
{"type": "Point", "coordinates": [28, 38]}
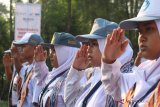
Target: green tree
{"type": "Point", "coordinates": [77, 16]}
{"type": "Point", "coordinates": [54, 17]}
{"type": "Point", "coordinates": [85, 11]}
{"type": "Point", "coordinates": [5, 43]}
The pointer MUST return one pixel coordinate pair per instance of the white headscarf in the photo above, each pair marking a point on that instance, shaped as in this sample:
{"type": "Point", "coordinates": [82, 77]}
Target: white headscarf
{"type": "Point", "coordinates": [65, 56]}
{"type": "Point", "coordinates": [99, 98]}
{"type": "Point", "coordinates": [158, 25]}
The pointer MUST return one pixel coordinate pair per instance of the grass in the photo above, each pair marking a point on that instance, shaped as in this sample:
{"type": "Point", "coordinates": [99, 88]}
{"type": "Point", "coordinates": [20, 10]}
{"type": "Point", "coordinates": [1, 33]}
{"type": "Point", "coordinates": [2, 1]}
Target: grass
{"type": "Point", "coordinates": [3, 103]}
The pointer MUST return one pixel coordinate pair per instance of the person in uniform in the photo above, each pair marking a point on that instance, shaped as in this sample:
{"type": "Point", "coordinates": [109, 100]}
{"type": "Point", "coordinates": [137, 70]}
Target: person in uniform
{"type": "Point", "coordinates": [63, 49]}
{"type": "Point", "coordinates": [13, 56]}
{"type": "Point", "coordinates": [91, 93]}
{"type": "Point", "coordinates": [29, 92]}
{"type": "Point", "coordinates": [137, 89]}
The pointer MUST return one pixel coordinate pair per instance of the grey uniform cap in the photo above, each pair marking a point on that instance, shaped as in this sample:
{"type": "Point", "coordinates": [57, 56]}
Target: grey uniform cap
{"type": "Point", "coordinates": [149, 11]}
{"type": "Point", "coordinates": [30, 38]}
{"type": "Point", "coordinates": [100, 29]}
{"type": "Point", "coordinates": [62, 38]}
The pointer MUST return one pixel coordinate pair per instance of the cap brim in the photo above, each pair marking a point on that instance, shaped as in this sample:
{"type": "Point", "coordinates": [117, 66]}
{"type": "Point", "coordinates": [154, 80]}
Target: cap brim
{"type": "Point", "coordinates": [133, 22]}
{"type": "Point", "coordinates": [7, 51]}
{"type": "Point", "coordinates": [47, 45]}
{"type": "Point", "coordinates": [19, 43]}
{"type": "Point", "coordinates": [86, 37]}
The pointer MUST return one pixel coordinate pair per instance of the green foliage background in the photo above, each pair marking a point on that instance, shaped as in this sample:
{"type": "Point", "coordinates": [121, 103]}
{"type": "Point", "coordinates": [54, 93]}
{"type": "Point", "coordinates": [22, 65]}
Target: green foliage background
{"type": "Point", "coordinates": [73, 16]}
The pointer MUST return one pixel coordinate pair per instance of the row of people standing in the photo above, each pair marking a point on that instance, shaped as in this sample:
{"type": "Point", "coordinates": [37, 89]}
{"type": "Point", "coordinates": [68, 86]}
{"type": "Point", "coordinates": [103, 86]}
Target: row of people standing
{"type": "Point", "coordinates": [23, 91]}
{"type": "Point", "coordinates": [105, 54]}
{"type": "Point", "coordinates": [67, 84]}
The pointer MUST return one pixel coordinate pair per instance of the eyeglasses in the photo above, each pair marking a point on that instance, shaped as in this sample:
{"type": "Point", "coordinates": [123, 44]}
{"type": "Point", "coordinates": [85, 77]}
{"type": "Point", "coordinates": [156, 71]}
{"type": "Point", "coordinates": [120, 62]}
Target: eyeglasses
{"type": "Point", "coordinates": [20, 48]}
{"type": "Point", "coordinates": [91, 43]}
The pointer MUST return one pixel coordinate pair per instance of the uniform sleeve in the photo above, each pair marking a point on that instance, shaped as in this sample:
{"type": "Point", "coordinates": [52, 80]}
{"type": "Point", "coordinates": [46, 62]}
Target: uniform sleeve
{"type": "Point", "coordinates": [110, 78]}
{"type": "Point", "coordinates": [40, 71]}
{"type": "Point", "coordinates": [74, 87]}
{"type": "Point", "coordinates": [36, 92]}
{"type": "Point", "coordinates": [116, 83]}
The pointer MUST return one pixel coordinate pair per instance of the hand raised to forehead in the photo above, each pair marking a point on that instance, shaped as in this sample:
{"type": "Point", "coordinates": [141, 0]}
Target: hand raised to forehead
{"type": "Point", "coordinates": [81, 61]}
{"type": "Point", "coordinates": [115, 46]}
{"type": "Point", "coordinates": [15, 52]}
{"type": "Point", "coordinates": [40, 54]}
{"type": "Point", "coordinates": [7, 60]}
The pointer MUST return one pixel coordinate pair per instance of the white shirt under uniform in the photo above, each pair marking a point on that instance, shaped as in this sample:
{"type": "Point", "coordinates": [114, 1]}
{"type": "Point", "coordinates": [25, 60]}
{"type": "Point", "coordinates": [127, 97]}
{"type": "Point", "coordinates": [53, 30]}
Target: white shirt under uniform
{"type": "Point", "coordinates": [43, 77]}
{"type": "Point", "coordinates": [118, 84]}
{"type": "Point", "coordinates": [76, 91]}
{"type": "Point", "coordinates": [33, 89]}
{"type": "Point", "coordinates": [15, 96]}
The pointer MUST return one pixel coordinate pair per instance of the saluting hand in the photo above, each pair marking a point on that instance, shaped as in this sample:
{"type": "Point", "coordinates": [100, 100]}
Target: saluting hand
{"type": "Point", "coordinates": [115, 46]}
{"type": "Point", "coordinates": [17, 58]}
{"type": "Point", "coordinates": [81, 61]}
{"type": "Point", "coordinates": [7, 60]}
{"type": "Point", "coordinates": [15, 52]}
{"type": "Point", "coordinates": [40, 54]}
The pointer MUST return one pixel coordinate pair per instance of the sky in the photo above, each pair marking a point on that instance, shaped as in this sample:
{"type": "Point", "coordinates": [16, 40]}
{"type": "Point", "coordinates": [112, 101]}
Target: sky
{"type": "Point", "coordinates": [6, 2]}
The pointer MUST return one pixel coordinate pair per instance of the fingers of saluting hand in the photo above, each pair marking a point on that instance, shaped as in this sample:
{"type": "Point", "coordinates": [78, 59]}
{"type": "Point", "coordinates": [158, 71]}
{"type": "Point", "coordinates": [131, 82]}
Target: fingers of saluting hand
{"type": "Point", "coordinates": [121, 40]}
{"type": "Point", "coordinates": [7, 59]}
{"type": "Point", "coordinates": [77, 55]}
{"type": "Point", "coordinates": [14, 50]}
{"type": "Point", "coordinates": [121, 35]}
{"type": "Point", "coordinates": [41, 49]}
{"type": "Point", "coordinates": [113, 36]}
{"type": "Point", "coordinates": [6, 56]}
{"type": "Point", "coordinates": [124, 45]}
{"type": "Point", "coordinates": [80, 51]}
{"type": "Point", "coordinates": [40, 54]}
{"type": "Point", "coordinates": [115, 45]}
{"type": "Point", "coordinates": [117, 35]}
{"type": "Point", "coordinates": [36, 50]}
{"type": "Point", "coordinates": [83, 51]}
{"type": "Point", "coordinates": [108, 39]}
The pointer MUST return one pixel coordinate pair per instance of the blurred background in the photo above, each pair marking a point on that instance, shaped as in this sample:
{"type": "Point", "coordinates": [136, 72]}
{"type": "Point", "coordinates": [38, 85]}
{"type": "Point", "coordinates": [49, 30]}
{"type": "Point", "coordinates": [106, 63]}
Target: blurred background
{"type": "Point", "coordinates": [73, 16]}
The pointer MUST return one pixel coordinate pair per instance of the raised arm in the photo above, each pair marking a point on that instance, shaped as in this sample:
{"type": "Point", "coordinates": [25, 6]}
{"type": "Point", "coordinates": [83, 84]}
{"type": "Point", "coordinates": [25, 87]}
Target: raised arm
{"type": "Point", "coordinates": [73, 87]}
{"type": "Point", "coordinates": [40, 68]}
{"type": "Point", "coordinates": [114, 48]}
{"type": "Point", "coordinates": [7, 62]}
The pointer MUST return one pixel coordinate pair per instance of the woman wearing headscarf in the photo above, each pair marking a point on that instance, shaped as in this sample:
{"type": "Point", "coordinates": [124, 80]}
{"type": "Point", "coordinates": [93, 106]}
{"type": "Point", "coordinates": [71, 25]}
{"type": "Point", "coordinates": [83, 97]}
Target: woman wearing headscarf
{"type": "Point", "coordinates": [139, 88]}
{"type": "Point", "coordinates": [63, 48]}
{"type": "Point", "coordinates": [87, 95]}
